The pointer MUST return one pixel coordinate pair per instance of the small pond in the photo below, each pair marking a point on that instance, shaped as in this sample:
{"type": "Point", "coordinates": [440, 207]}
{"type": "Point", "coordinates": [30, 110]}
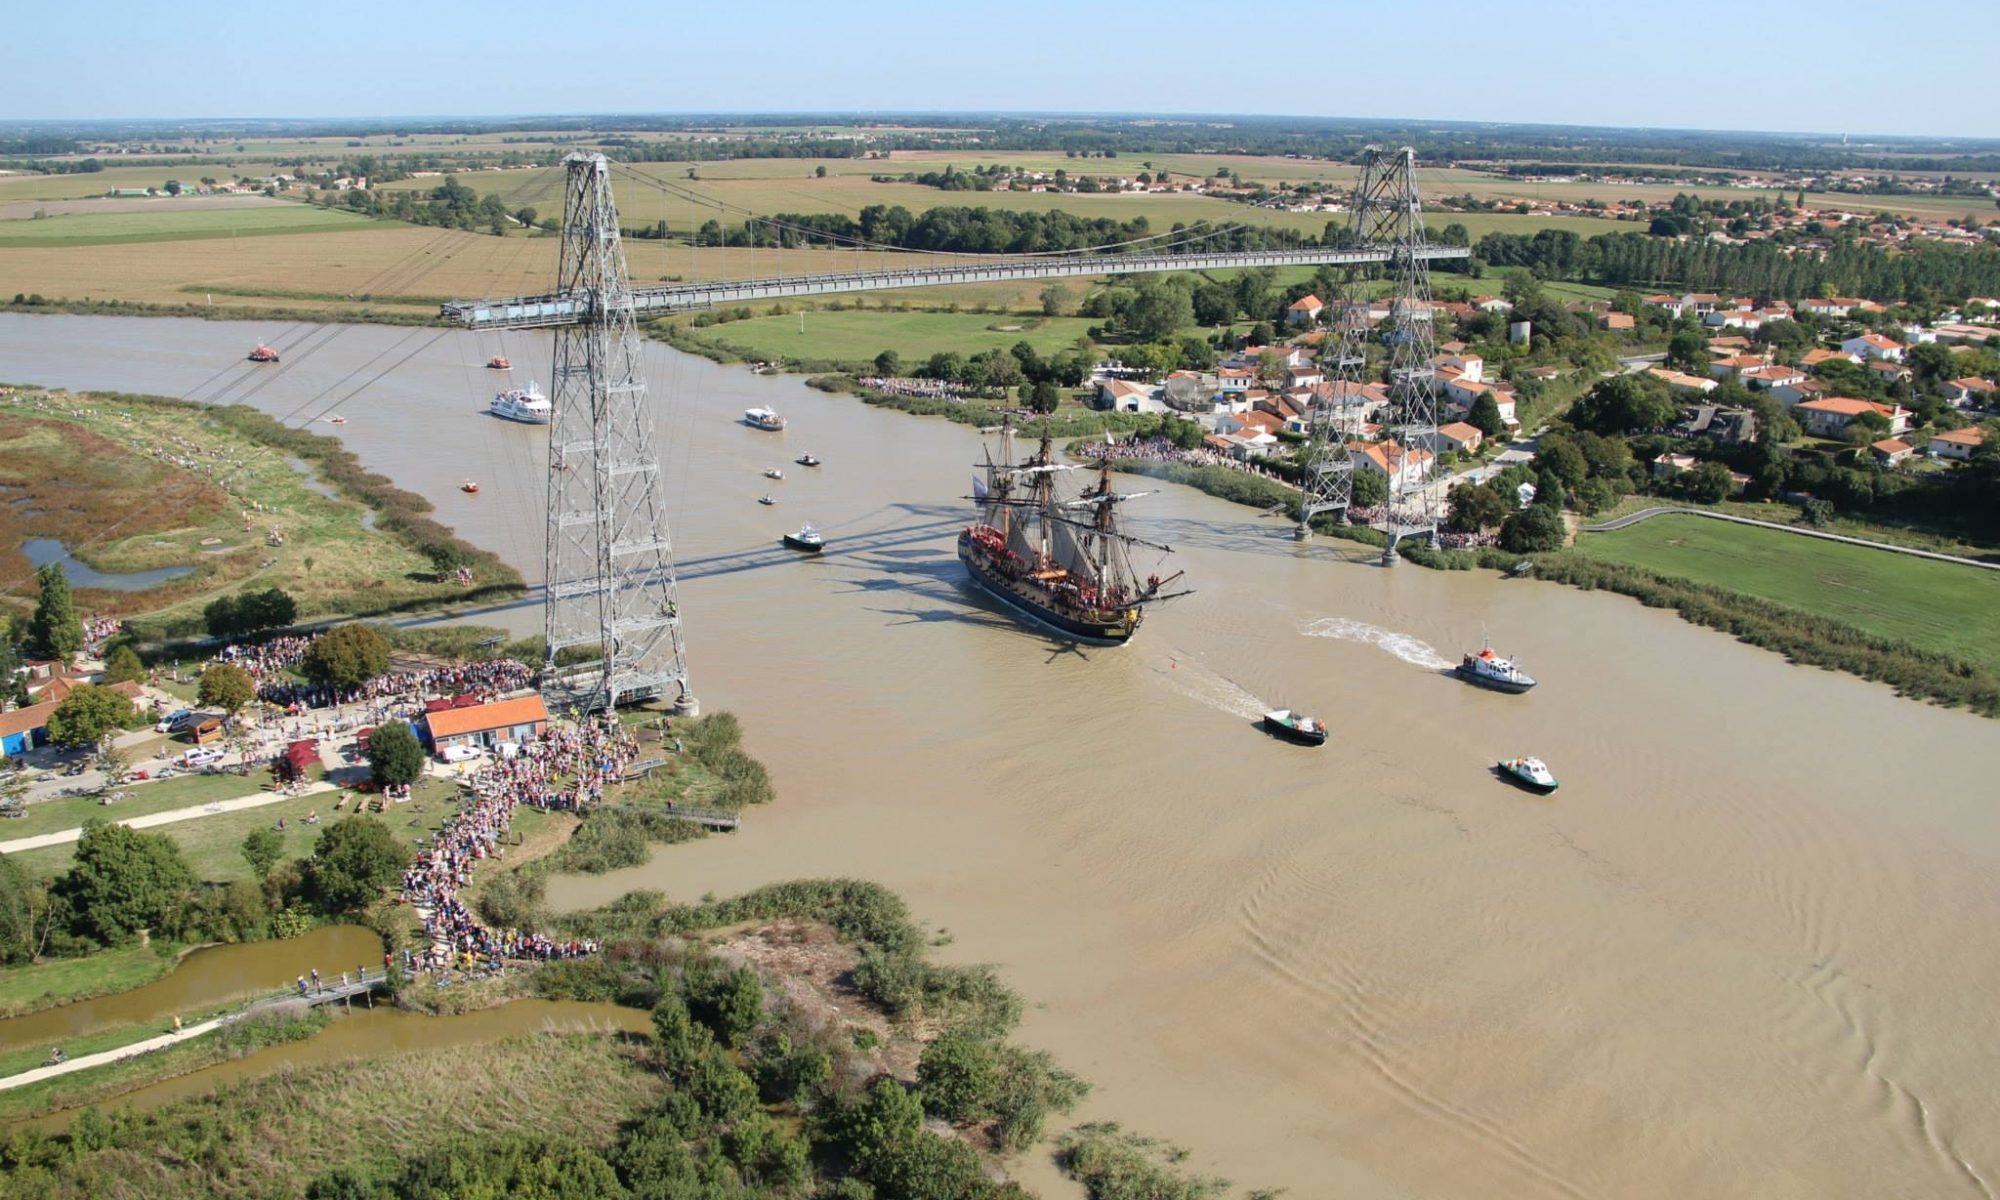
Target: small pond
{"type": "Point", "coordinates": [43, 551]}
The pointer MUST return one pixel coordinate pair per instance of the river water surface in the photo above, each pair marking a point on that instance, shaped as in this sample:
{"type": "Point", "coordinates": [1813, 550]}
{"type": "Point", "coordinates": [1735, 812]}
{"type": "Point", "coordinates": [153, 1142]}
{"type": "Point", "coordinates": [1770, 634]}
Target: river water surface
{"type": "Point", "coordinates": [1747, 949]}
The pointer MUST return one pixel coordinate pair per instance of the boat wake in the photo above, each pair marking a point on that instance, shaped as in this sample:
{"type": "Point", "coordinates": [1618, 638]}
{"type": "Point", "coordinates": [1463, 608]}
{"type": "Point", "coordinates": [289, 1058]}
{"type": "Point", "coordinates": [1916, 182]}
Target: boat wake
{"type": "Point", "coordinates": [1203, 686]}
{"type": "Point", "coordinates": [1411, 650]}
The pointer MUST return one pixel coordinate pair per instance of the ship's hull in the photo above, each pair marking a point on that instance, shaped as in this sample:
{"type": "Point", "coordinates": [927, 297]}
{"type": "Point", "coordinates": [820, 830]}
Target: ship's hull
{"type": "Point", "coordinates": [524, 416]}
{"type": "Point", "coordinates": [803, 546]}
{"type": "Point", "coordinates": [1292, 733]}
{"type": "Point", "coordinates": [1026, 600]}
{"type": "Point", "coordinates": [1511, 686]}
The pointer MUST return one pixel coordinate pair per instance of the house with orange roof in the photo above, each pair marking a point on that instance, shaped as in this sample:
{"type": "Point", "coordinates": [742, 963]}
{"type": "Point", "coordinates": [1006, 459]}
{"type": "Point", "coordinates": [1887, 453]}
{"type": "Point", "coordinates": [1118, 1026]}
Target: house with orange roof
{"type": "Point", "coordinates": [1305, 310]}
{"type": "Point", "coordinates": [1874, 345]}
{"type": "Point", "coordinates": [1680, 382]}
{"type": "Point", "coordinates": [1721, 367]}
{"type": "Point", "coordinates": [1813, 358]}
{"type": "Point", "coordinates": [1459, 437]}
{"type": "Point", "coordinates": [23, 729]}
{"type": "Point", "coordinates": [1957, 445]}
{"type": "Point", "coordinates": [1771, 375]}
{"type": "Point", "coordinates": [1970, 390]}
{"type": "Point", "coordinates": [1891, 451]}
{"type": "Point", "coordinates": [1403, 468]}
{"type": "Point", "coordinates": [487, 725]}
{"type": "Point", "coordinates": [1831, 415]}
{"type": "Point", "coordinates": [1617, 322]}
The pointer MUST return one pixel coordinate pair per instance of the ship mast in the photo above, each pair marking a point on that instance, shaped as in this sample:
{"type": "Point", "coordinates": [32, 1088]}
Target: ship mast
{"type": "Point", "coordinates": [1045, 489]}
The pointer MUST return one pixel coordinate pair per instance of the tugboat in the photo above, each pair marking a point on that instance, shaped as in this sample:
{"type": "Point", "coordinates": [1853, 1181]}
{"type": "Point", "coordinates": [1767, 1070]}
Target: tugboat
{"type": "Point", "coordinates": [1530, 773]}
{"type": "Point", "coordinates": [1063, 564]}
{"type": "Point", "coordinates": [526, 405]}
{"type": "Point", "coordinates": [499, 363]}
{"type": "Point", "coordinates": [806, 460]}
{"type": "Point", "coordinates": [766, 499]}
{"type": "Point", "coordinates": [765, 419]}
{"type": "Point", "coordinates": [773, 473]}
{"type": "Point", "coordinates": [1489, 670]}
{"type": "Point", "coordinates": [1296, 727]}
{"type": "Point", "coordinates": [263, 353]}
{"type": "Point", "coordinates": [469, 487]}
{"type": "Point", "coordinates": [807, 539]}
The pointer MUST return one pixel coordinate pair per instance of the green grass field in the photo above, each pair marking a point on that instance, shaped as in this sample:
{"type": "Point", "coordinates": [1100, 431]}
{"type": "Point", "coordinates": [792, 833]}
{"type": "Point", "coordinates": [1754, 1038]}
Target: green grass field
{"type": "Point", "coordinates": [57, 981]}
{"type": "Point", "coordinates": [178, 225]}
{"type": "Point", "coordinates": [858, 336]}
{"type": "Point", "coordinates": [1931, 605]}
{"type": "Point", "coordinates": [184, 791]}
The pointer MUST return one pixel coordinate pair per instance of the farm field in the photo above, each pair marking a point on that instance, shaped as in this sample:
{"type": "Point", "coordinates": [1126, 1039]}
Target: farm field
{"type": "Point", "coordinates": [174, 225]}
{"type": "Point", "coordinates": [1932, 605]}
{"type": "Point", "coordinates": [857, 337]}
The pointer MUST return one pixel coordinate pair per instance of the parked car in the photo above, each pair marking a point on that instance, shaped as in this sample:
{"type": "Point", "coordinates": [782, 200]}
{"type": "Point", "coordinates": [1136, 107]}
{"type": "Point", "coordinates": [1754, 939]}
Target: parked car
{"type": "Point", "coordinates": [460, 753]}
{"type": "Point", "coordinates": [201, 756]}
{"type": "Point", "coordinates": [174, 721]}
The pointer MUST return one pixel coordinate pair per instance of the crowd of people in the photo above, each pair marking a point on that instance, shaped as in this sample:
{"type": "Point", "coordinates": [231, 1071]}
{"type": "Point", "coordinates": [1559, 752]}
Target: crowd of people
{"type": "Point", "coordinates": [487, 679]}
{"type": "Point", "coordinates": [1159, 449]}
{"type": "Point", "coordinates": [566, 768]}
{"type": "Point", "coordinates": [262, 660]}
{"type": "Point", "coordinates": [97, 631]}
{"type": "Point", "coordinates": [929, 389]}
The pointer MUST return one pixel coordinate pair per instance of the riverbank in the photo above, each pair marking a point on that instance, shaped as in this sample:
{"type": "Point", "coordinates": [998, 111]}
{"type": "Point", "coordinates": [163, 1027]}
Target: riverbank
{"type": "Point", "coordinates": [228, 495]}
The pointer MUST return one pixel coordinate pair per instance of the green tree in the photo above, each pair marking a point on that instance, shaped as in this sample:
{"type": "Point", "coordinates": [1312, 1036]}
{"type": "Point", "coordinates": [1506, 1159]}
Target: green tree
{"type": "Point", "coordinates": [1370, 489]}
{"type": "Point", "coordinates": [19, 903]}
{"type": "Point", "coordinates": [395, 757]}
{"type": "Point", "coordinates": [1158, 311]}
{"type": "Point", "coordinates": [445, 556]}
{"type": "Point", "coordinates": [1485, 416]}
{"type": "Point", "coordinates": [123, 666]}
{"type": "Point", "coordinates": [1534, 529]}
{"type": "Point", "coordinates": [54, 631]}
{"type": "Point", "coordinates": [1478, 506]}
{"type": "Point", "coordinates": [123, 881]}
{"type": "Point", "coordinates": [1044, 397]}
{"type": "Point", "coordinates": [353, 860]}
{"type": "Point", "coordinates": [1561, 456]}
{"type": "Point", "coordinates": [1709, 483]}
{"type": "Point", "coordinates": [1057, 301]}
{"type": "Point", "coordinates": [1625, 404]}
{"type": "Point", "coordinates": [262, 850]}
{"type": "Point", "coordinates": [87, 715]}
{"type": "Point", "coordinates": [889, 364]}
{"type": "Point", "coordinates": [346, 657]}
{"type": "Point", "coordinates": [226, 686]}
{"type": "Point", "coordinates": [1688, 350]}
{"type": "Point", "coordinates": [958, 1077]}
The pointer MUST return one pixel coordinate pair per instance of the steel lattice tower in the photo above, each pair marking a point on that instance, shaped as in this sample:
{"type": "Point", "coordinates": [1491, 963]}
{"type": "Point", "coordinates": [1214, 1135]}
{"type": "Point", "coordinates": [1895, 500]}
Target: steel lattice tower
{"type": "Point", "coordinates": [608, 560]}
{"type": "Point", "coordinates": [1386, 213]}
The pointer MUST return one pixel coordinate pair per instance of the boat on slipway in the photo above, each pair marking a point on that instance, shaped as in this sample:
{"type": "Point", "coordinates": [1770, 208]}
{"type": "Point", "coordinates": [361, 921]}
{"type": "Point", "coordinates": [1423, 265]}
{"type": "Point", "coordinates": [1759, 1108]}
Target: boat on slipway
{"type": "Point", "coordinates": [1062, 563]}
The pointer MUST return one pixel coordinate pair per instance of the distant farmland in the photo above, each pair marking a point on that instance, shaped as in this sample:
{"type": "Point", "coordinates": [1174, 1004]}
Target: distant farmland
{"type": "Point", "coordinates": [175, 225]}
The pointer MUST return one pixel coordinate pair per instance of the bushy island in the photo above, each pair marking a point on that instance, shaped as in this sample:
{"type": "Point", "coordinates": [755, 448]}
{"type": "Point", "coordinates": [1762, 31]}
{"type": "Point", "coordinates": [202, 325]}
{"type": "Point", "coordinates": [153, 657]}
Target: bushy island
{"type": "Point", "coordinates": [802, 1044]}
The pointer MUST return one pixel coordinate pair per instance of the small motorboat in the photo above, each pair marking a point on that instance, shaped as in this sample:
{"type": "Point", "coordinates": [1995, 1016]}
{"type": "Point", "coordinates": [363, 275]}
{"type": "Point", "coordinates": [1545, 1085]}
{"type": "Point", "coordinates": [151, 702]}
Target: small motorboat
{"type": "Point", "coordinates": [1296, 727]}
{"type": "Point", "coordinates": [807, 539]}
{"type": "Point", "coordinates": [806, 460]}
{"type": "Point", "coordinates": [1489, 670]}
{"type": "Point", "coordinates": [468, 487]}
{"type": "Point", "coordinates": [263, 353]}
{"type": "Point", "coordinates": [764, 418]}
{"type": "Point", "coordinates": [499, 363]}
{"type": "Point", "coordinates": [335, 419]}
{"type": "Point", "coordinates": [766, 499]}
{"type": "Point", "coordinates": [1530, 773]}
{"type": "Point", "coordinates": [773, 473]}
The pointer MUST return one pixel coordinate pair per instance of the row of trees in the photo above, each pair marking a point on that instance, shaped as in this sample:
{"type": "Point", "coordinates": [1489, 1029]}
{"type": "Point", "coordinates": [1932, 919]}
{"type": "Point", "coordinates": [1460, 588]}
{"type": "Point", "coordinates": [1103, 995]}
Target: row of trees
{"type": "Point", "coordinates": [249, 613]}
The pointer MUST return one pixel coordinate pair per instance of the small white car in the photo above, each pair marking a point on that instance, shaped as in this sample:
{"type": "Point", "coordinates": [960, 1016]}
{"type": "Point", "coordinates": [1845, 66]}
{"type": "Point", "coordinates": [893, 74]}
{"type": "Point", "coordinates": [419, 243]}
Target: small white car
{"type": "Point", "coordinates": [460, 753]}
{"type": "Point", "coordinates": [201, 756]}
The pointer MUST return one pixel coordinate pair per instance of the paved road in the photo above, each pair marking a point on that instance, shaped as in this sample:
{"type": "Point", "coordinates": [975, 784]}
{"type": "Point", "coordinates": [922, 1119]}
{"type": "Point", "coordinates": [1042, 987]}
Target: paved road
{"type": "Point", "coordinates": [111, 1056]}
{"type": "Point", "coordinates": [1646, 514]}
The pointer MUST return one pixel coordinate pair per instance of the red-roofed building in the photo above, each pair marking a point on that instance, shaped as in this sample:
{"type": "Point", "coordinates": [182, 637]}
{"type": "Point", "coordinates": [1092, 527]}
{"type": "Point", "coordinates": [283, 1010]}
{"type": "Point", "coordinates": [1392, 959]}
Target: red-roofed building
{"type": "Point", "coordinates": [1813, 358]}
{"type": "Point", "coordinates": [487, 725]}
{"type": "Point", "coordinates": [1954, 444]}
{"type": "Point", "coordinates": [1459, 436]}
{"type": "Point", "coordinates": [1970, 390]}
{"type": "Point", "coordinates": [1874, 345]}
{"type": "Point", "coordinates": [23, 729]}
{"type": "Point", "coordinates": [1829, 417]}
{"type": "Point", "coordinates": [1304, 310]}
{"type": "Point", "coordinates": [1890, 451]}
{"type": "Point", "coordinates": [1403, 469]}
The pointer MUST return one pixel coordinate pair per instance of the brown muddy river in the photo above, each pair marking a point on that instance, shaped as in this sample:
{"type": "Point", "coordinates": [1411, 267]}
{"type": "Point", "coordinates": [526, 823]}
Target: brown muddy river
{"type": "Point", "coordinates": [1747, 949]}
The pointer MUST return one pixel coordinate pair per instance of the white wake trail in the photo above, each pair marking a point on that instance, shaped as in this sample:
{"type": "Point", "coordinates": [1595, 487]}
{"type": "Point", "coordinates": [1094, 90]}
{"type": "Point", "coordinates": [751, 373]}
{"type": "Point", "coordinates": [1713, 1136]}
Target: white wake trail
{"type": "Point", "coordinates": [1414, 651]}
{"type": "Point", "coordinates": [1206, 687]}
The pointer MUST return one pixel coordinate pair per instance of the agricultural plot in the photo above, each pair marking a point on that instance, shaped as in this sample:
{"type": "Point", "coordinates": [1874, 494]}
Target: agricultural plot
{"type": "Point", "coordinates": [174, 225]}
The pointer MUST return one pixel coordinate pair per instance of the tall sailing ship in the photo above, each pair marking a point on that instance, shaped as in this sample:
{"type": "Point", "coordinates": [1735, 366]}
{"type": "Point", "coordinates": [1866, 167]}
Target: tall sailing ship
{"type": "Point", "coordinates": [1062, 563]}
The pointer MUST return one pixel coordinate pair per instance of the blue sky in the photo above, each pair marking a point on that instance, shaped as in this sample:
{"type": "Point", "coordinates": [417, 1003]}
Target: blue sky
{"type": "Point", "coordinates": [1829, 66]}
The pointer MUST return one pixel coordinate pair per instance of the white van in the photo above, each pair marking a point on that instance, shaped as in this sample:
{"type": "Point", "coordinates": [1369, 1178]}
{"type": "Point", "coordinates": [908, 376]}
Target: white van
{"type": "Point", "coordinates": [201, 756]}
{"type": "Point", "coordinates": [459, 753]}
{"type": "Point", "coordinates": [175, 721]}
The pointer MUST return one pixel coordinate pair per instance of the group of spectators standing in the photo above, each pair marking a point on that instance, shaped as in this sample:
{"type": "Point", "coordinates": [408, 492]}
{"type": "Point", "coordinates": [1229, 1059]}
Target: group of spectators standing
{"type": "Point", "coordinates": [929, 389]}
{"type": "Point", "coordinates": [1159, 449]}
{"type": "Point", "coordinates": [566, 768]}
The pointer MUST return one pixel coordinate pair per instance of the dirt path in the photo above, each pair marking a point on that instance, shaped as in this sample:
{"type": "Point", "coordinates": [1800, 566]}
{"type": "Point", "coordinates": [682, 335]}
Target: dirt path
{"type": "Point", "coordinates": [169, 817]}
